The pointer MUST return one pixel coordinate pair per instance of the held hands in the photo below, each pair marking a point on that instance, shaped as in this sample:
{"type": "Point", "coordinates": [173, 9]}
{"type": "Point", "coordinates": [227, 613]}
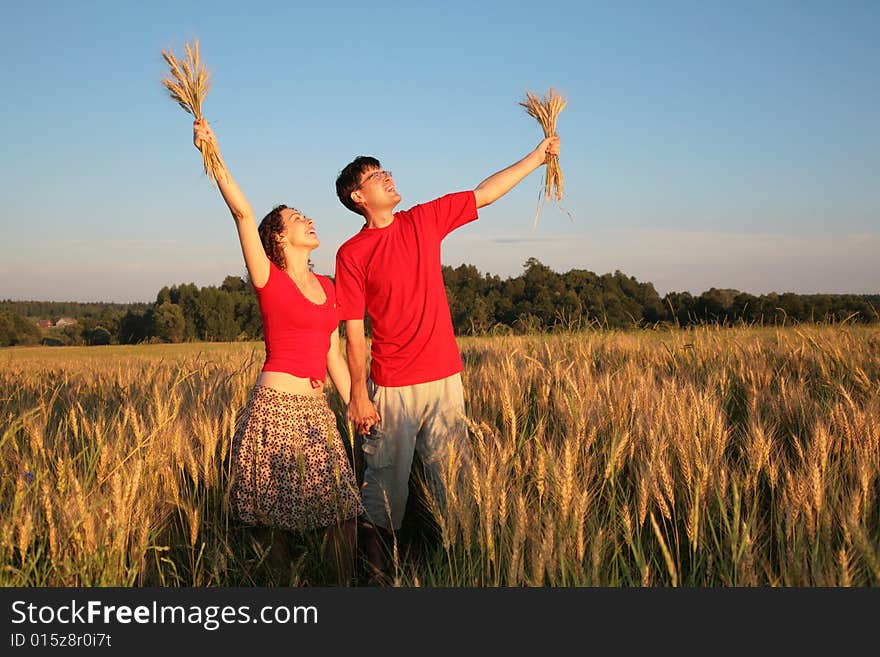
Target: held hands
{"type": "Point", "coordinates": [202, 132]}
{"type": "Point", "coordinates": [362, 413]}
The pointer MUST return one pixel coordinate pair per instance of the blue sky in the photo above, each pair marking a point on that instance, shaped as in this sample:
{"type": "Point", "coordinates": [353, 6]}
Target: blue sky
{"type": "Point", "coordinates": [704, 144]}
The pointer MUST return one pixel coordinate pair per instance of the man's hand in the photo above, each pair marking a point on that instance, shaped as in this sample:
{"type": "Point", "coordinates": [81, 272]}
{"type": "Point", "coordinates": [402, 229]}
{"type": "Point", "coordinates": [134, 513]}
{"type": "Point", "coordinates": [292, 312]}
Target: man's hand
{"type": "Point", "coordinates": [549, 146]}
{"type": "Point", "coordinates": [498, 184]}
{"type": "Point", "coordinates": [362, 413]}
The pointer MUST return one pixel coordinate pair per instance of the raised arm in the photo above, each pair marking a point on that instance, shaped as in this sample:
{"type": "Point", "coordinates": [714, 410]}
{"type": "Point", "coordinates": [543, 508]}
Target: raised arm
{"type": "Point", "coordinates": [361, 410]}
{"type": "Point", "coordinates": [251, 246]}
{"type": "Point", "coordinates": [498, 184]}
{"type": "Point", "coordinates": [338, 369]}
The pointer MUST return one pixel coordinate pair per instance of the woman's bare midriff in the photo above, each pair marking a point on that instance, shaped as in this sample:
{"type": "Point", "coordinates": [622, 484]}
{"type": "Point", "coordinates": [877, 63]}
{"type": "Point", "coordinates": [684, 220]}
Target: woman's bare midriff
{"type": "Point", "coordinates": [284, 382]}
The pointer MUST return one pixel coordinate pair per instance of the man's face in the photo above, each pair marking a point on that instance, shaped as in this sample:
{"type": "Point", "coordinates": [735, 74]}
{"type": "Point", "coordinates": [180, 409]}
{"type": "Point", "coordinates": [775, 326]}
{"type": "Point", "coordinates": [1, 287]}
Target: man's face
{"type": "Point", "coordinates": [376, 190]}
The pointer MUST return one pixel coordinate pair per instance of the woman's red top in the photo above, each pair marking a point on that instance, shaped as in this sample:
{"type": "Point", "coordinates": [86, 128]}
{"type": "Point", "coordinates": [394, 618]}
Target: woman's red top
{"type": "Point", "coordinates": [296, 331]}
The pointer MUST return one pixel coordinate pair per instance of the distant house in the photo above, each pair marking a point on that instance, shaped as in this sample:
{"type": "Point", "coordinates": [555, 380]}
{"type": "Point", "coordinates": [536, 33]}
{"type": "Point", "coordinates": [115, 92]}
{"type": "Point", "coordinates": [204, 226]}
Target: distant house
{"type": "Point", "coordinates": [44, 323]}
{"type": "Point", "coordinates": [65, 321]}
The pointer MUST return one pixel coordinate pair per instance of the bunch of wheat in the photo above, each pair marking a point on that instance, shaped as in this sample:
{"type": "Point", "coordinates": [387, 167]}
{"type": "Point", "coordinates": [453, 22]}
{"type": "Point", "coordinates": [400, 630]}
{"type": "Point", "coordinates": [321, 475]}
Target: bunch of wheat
{"type": "Point", "coordinates": [546, 110]}
{"type": "Point", "coordinates": [188, 85]}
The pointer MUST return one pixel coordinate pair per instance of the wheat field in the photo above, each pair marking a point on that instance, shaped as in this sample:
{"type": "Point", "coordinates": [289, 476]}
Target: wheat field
{"type": "Point", "coordinates": [700, 457]}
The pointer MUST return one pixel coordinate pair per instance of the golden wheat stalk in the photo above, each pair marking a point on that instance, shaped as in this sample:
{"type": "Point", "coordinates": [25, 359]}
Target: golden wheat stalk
{"type": "Point", "coordinates": [546, 110]}
{"type": "Point", "coordinates": [188, 85]}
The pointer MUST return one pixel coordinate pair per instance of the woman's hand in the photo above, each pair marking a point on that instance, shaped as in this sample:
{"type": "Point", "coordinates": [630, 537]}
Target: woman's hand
{"type": "Point", "coordinates": [202, 132]}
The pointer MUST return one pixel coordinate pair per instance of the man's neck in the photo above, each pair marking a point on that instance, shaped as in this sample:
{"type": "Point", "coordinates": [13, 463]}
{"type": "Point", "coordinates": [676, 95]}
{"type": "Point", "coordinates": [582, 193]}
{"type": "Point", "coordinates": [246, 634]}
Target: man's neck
{"type": "Point", "coordinates": [379, 219]}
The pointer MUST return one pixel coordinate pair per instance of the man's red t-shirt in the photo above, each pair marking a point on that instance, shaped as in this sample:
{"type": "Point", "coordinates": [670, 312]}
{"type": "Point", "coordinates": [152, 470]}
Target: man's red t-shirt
{"type": "Point", "coordinates": [394, 274]}
{"type": "Point", "coordinates": [296, 330]}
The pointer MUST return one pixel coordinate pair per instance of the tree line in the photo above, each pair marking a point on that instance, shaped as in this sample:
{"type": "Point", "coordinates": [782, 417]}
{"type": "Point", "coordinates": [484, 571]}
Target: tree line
{"type": "Point", "coordinates": [537, 300]}
{"type": "Point", "coordinates": [541, 299]}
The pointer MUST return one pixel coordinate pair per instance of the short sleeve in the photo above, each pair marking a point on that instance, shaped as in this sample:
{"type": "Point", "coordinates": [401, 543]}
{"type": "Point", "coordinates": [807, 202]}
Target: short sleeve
{"type": "Point", "coordinates": [273, 277]}
{"type": "Point", "coordinates": [350, 284]}
{"type": "Point", "coordinates": [451, 211]}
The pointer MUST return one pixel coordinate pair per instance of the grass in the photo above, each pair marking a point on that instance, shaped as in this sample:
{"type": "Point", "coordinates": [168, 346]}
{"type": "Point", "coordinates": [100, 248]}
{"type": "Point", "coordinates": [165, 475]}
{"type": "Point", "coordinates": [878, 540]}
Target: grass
{"type": "Point", "coordinates": [699, 457]}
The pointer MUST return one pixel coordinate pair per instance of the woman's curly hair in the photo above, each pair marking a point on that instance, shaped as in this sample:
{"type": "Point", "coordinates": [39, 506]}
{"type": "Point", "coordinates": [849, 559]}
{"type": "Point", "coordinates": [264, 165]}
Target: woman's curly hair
{"type": "Point", "coordinates": [271, 227]}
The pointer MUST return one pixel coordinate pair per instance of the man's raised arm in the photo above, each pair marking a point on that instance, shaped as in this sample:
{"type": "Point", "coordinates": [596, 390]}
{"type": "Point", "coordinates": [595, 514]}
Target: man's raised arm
{"type": "Point", "coordinates": [498, 184]}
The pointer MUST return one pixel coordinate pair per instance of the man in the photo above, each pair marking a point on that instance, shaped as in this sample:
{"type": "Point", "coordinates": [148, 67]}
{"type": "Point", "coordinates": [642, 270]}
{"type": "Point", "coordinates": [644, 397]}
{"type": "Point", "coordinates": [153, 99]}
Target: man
{"type": "Point", "coordinates": [392, 270]}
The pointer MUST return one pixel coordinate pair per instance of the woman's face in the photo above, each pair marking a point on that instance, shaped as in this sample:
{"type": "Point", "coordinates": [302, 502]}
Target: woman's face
{"type": "Point", "coordinates": [299, 230]}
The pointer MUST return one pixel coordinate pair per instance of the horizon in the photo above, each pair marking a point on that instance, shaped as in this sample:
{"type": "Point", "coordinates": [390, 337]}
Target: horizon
{"type": "Point", "coordinates": [243, 276]}
{"type": "Point", "coordinates": [727, 146]}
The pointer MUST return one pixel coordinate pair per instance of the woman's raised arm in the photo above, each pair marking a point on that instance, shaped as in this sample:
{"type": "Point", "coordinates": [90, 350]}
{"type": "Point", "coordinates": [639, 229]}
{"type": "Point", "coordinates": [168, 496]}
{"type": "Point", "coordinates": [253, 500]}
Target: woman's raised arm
{"type": "Point", "coordinates": [251, 246]}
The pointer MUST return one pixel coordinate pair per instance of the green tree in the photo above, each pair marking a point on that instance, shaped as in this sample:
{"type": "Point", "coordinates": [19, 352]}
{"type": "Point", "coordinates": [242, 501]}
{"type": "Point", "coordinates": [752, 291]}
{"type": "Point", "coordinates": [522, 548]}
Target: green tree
{"type": "Point", "coordinates": [164, 296]}
{"type": "Point", "coordinates": [187, 297]}
{"type": "Point", "coordinates": [216, 315]}
{"type": "Point", "coordinates": [234, 284]}
{"type": "Point", "coordinates": [169, 322]}
{"type": "Point", "coordinates": [17, 330]}
{"type": "Point", "coordinates": [99, 335]}
{"type": "Point", "coordinates": [135, 326]}
{"type": "Point", "coordinates": [471, 304]}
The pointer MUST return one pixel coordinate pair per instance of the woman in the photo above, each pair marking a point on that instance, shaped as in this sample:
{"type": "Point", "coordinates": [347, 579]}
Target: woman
{"type": "Point", "coordinates": [289, 466]}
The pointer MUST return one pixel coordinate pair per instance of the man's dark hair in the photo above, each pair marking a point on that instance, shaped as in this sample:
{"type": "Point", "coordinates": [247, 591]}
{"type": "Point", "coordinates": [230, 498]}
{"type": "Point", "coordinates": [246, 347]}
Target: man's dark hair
{"type": "Point", "coordinates": [349, 179]}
